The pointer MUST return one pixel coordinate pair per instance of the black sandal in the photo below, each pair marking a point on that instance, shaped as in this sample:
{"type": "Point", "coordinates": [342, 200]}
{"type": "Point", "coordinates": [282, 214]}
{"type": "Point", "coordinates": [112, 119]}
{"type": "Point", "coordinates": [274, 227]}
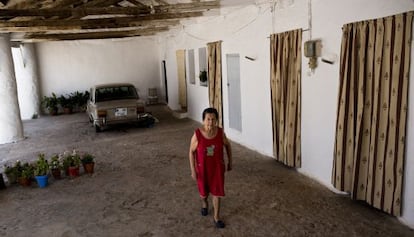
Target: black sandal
{"type": "Point", "coordinates": [204, 211]}
{"type": "Point", "coordinates": [219, 224]}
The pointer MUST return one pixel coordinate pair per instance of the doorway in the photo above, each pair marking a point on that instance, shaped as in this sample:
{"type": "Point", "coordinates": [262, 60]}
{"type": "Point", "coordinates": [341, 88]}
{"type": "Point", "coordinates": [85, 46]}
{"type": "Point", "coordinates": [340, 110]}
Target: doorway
{"type": "Point", "coordinates": [233, 89]}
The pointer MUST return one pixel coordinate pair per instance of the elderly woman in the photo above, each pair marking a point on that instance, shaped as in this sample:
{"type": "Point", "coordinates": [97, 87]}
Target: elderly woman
{"type": "Point", "coordinates": [207, 164]}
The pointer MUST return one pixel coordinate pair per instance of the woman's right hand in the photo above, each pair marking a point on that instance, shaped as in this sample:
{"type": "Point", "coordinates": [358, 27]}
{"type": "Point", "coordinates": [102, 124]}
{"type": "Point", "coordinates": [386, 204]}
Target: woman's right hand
{"type": "Point", "coordinates": [194, 175]}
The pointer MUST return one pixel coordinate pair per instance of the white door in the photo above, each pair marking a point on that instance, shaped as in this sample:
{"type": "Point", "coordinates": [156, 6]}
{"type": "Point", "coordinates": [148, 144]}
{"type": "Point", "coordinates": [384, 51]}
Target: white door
{"type": "Point", "coordinates": [233, 88]}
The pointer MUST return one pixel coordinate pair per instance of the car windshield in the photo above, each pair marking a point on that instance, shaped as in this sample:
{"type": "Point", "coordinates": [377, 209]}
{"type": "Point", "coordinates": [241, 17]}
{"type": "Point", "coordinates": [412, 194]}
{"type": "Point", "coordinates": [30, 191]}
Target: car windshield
{"type": "Point", "coordinates": [115, 93]}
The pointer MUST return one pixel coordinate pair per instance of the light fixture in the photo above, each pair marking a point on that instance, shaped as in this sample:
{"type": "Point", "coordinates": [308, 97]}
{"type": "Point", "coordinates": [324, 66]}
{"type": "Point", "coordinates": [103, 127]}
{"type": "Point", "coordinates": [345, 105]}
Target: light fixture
{"type": "Point", "coordinates": [312, 50]}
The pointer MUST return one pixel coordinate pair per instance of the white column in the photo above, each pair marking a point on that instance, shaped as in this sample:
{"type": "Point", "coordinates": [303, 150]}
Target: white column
{"type": "Point", "coordinates": [27, 81]}
{"type": "Point", "coordinates": [11, 127]}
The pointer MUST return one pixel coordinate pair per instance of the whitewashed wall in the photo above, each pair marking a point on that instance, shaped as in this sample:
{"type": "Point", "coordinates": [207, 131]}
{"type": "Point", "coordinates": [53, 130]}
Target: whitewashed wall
{"type": "Point", "coordinates": [68, 66]}
{"type": "Point", "coordinates": [245, 30]}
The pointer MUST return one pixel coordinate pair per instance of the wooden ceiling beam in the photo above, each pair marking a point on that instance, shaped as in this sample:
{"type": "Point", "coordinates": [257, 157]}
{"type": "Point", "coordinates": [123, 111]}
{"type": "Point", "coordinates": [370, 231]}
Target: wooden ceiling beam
{"type": "Point", "coordinates": [80, 11]}
{"type": "Point", "coordinates": [85, 11]}
{"type": "Point", "coordinates": [101, 3]}
{"type": "Point", "coordinates": [94, 35]}
{"type": "Point", "coordinates": [101, 23]}
{"type": "Point", "coordinates": [63, 3]}
{"type": "Point", "coordinates": [63, 29]}
{"type": "Point", "coordinates": [45, 20]}
{"type": "Point", "coordinates": [137, 3]}
{"type": "Point", "coordinates": [36, 4]}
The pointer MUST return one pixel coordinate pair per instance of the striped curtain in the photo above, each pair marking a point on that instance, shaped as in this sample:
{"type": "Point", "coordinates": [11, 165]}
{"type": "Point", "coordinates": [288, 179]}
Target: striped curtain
{"type": "Point", "coordinates": [372, 111]}
{"type": "Point", "coordinates": [285, 84]}
{"type": "Point", "coordinates": [214, 78]}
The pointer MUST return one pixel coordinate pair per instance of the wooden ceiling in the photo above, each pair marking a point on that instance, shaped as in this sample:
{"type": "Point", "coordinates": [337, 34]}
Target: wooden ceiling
{"type": "Point", "coordinates": [51, 20]}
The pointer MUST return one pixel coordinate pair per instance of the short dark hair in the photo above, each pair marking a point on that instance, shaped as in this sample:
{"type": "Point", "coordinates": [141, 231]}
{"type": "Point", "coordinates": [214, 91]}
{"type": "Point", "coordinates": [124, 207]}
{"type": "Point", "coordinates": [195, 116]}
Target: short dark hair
{"type": "Point", "coordinates": [210, 111]}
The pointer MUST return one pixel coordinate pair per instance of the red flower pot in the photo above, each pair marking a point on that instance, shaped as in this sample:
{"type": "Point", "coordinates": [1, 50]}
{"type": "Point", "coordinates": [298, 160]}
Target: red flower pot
{"type": "Point", "coordinates": [73, 171]}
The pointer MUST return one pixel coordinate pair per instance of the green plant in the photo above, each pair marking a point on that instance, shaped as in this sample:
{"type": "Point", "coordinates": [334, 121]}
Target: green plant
{"type": "Point", "coordinates": [50, 102]}
{"type": "Point", "coordinates": [66, 102]}
{"type": "Point", "coordinates": [13, 172]}
{"type": "Point", "coordinates": [55, 162]}
{"type": "Point", "coordinates": [76, 159]}
{"type": "Point", "coordinates": [203, 76]}
{"type": "Point", "coordinates": [87, 158]}
{"type": "Point", "coordinates": [80, 98]}
{"type": "Point", "coordinates": [42, 166]}
{"type": "Point", "coordinates": [71, 159]}
{"type": "Point", "coordinates": [27, 171]}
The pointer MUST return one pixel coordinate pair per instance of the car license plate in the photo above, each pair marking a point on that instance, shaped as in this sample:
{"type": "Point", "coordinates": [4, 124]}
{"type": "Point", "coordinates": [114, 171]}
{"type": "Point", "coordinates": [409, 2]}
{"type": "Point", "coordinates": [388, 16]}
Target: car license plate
{"type": "Point", "coordinates": [121, 112]}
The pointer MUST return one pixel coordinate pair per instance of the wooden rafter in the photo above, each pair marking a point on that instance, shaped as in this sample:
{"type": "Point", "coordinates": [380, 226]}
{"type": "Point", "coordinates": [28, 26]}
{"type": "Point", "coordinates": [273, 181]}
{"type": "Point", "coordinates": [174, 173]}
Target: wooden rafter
{"type": "Point", "coordinates": [73, 18]}
{"type": "Point", "coordinates": [96, 35]}
{"type": "Point", "coordinates": [84, 11]}
{"type": "Point", "coordinates": [94, 23]}
{"type": "Point", "coordinates": [101, 3]}
{"type": "Point", "coordinates": [137, 3]}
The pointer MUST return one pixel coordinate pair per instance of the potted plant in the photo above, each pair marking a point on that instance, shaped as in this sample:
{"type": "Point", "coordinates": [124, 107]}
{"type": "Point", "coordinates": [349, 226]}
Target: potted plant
{"type": "Point", "coordinates": [51, 103]}
{"type": "Point", "coordinates": [26, 174]}
{"type": "Point", "coordinates": [12, 172]}
{"type": "Point", "coordinates": [55, 167]}
{"type": "Point", "coordinates": [88, 162]}
{"type": "Point", "coordinates": [203, 77]}
{"type": "Point", "coordinates": [80, 99]}
{"type": "Point", "coordinates": [66, 103]}
{"type": "Point", "coordinates": [41, 171]}
{"type": "Point", "coordinates": [71, 163]}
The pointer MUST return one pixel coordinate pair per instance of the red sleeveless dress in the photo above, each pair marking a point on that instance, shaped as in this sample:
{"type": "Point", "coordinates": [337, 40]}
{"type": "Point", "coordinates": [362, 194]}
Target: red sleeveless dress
{"type": "Point", "coordinates": [210, 164]}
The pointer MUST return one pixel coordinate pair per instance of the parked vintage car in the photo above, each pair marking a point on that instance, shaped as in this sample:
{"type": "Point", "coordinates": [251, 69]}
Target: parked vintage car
{"type": "Point", "coordinates": [110, 104]}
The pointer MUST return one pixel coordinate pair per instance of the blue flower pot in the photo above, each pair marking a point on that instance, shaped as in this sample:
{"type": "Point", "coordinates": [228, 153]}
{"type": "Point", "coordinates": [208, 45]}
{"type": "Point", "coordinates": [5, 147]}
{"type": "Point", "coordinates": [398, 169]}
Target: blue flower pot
{"type": "Point", "coordinates": [42, 180]}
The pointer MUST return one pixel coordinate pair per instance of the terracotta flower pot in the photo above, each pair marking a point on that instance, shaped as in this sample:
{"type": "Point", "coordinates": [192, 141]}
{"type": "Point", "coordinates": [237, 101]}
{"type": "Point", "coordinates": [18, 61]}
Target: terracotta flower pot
{"type": "Point", "coordinates": [56, 173]}
{"type": "Point", "coordinates": [25, 181]}
{"type": "Point", "coordinates": [88, 167]}
{"type": "Point", "coordinates": [67, 110]}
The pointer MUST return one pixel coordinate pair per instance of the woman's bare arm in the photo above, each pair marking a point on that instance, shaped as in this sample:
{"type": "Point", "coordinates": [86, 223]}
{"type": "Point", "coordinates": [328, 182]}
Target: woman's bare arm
{"type": "Point", "coordinates": [191, 155]}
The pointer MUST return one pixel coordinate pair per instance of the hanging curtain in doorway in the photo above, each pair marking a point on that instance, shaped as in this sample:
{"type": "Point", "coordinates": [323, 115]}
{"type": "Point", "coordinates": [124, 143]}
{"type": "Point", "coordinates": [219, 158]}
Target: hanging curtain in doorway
{"type": "Point", "coordinates": [285, 82]}
{"type": "Point", "coordinates": [214, 78]}
{"type": "Point", "coordinates": [182, 86]}
{"type": "Point", "coordinates": [372, 111]}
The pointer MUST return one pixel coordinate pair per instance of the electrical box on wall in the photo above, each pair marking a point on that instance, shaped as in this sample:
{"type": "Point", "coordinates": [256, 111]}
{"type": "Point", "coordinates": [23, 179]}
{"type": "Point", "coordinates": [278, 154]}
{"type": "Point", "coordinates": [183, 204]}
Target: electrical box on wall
{"type": "Point", "coordinates": [312, 50]}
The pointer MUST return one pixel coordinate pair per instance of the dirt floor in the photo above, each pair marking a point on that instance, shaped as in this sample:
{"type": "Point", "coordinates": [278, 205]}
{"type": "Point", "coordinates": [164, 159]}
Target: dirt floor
{"type": "Point", "coordinates": [142, 187]}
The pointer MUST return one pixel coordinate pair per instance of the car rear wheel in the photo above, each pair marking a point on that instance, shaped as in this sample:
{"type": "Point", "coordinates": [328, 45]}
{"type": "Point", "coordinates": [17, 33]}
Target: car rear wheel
{"type": "Point", "coordinates": [98, 129]}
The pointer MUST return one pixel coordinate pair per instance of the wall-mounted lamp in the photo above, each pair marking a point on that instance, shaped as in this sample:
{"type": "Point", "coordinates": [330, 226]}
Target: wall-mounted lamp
{"type": "Point", "coordinates": [312, 50]}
